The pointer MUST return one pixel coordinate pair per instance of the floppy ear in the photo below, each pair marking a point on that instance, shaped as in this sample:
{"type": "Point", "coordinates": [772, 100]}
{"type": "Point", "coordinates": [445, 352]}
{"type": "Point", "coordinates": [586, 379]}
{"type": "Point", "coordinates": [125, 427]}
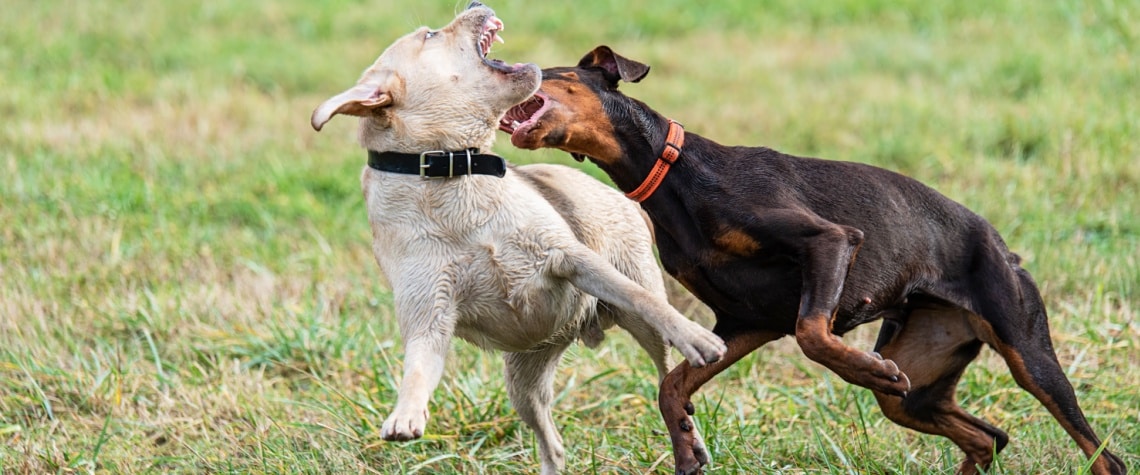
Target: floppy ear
{"type": "Point", "coordinates": [358, 101]}
{"type": "Point", "coordinates": [616, 66]}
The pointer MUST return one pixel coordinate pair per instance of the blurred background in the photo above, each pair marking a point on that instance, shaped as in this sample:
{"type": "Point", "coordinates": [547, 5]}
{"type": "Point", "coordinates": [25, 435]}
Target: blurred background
{"type": "Point", "coordinates": [185, 276]}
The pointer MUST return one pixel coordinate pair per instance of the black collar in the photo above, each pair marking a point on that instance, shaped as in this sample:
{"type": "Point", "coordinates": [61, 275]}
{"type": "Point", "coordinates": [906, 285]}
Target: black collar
{"type": "Point", "coordinates": [438, 163]}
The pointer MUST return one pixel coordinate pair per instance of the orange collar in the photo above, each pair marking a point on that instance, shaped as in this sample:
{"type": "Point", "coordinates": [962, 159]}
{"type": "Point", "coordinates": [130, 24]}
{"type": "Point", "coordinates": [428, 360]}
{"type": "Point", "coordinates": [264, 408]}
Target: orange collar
{"type": "Point", "coordinates": [673, 142]}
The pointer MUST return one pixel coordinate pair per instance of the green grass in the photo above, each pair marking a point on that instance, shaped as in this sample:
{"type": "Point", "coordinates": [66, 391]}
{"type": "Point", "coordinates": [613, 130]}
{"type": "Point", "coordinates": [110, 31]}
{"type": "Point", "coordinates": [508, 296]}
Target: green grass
{"type": "Point", "coordinates": [185, 277]}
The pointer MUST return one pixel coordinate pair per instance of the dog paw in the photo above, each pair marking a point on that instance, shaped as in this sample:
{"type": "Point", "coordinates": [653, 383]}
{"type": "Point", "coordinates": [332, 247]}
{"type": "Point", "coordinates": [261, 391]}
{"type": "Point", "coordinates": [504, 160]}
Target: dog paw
{"type": "Point", "coordinates": [700, 451]}
{"type": "Point", "coordinates": [406, 426]}
{"type": "Point", "coordinates": [689, 451]}
{"type": "Point", "coordinates": [698, 345]}
{"type": "Point", "coordinates": [692, 464]}
{"type": "Point", "coordinates": [887, 377]}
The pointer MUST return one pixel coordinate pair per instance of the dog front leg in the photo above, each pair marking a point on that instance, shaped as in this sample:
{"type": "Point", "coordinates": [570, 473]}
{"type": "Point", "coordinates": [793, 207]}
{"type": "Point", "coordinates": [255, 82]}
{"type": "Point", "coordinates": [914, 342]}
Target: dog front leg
{"type": "Point", "coordinates": [594, 275]}
{"type": "Point", "coordinates": [423, 367]}
{"type": "Point", "coordinates": [827, 252]}
{"type": "Point", "coordinates": [426, 330]}
{"type": "Point", "coordinates": [675, 400]}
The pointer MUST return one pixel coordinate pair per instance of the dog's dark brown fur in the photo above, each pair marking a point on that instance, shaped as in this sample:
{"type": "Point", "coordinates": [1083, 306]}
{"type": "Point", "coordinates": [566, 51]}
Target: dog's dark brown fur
{"type": "Point", "coordinates": [769, 242]}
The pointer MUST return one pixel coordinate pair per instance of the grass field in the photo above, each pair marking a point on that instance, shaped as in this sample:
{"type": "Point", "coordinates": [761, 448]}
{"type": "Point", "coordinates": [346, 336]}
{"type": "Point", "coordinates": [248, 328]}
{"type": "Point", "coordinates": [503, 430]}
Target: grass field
{"type": "Point", "coordinates": [186, 284]}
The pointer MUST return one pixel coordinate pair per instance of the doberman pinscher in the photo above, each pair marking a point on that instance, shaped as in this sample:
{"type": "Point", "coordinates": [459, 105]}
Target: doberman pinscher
{"type": "Point", "coordinates": [769, 242]}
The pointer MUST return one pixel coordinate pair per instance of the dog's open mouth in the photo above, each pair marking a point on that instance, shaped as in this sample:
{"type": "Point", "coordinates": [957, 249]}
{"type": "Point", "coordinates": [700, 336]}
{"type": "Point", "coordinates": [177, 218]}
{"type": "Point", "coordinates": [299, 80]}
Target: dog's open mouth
{"type": "Point", "coordinates": [521, 119]}
{"type": "Point", "coordinates": [489, 35]}
{"type": "Point", "coordinates": [491, 28]}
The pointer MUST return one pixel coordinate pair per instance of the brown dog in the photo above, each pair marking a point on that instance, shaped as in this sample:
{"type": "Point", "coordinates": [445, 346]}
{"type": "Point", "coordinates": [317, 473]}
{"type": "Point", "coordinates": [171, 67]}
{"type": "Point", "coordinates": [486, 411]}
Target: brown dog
{"type": "Point", "coordinates": [769, 242]}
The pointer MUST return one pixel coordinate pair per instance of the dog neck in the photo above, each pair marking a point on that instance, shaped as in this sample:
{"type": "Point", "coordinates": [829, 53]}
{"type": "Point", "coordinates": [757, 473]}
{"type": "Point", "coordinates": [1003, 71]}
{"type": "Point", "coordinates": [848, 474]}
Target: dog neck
{"type": "Point", "coordinates": [674, 140]}
{"type": "Point", "coordinates": [642, 133]}
{"type": "Point", "coordinates": [438, 163]}
{"type": "Point", "coordinates": [390, 134]}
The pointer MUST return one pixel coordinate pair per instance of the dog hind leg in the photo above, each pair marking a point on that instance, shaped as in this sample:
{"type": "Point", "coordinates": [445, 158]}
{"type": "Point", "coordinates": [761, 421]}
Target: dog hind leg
{"type": "Point", "coordinates": [530, 386]}
{"type": "Point", "coordinates": [933, 346]}
{"type": "Point", "coordinates": [1016, 322]}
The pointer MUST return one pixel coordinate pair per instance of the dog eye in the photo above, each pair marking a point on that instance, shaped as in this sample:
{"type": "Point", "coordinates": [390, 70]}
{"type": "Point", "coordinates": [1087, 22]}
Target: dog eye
{"type": "Point", "coordinates": [430, 34]}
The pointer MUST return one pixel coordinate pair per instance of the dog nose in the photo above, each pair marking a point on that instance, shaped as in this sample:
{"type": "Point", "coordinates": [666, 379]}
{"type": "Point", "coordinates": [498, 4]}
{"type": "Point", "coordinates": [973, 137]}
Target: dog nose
{"type": "Point", "coordinates": [473, 5]}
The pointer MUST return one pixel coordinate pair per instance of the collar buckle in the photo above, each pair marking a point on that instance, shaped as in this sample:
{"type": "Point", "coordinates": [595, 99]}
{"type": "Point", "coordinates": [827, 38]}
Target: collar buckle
{"type": "Point", "coordinates": [424, 165]}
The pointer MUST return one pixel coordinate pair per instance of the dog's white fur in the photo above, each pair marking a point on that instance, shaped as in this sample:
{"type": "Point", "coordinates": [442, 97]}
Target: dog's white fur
{"type": "Point", "coordinates": [526, 263]}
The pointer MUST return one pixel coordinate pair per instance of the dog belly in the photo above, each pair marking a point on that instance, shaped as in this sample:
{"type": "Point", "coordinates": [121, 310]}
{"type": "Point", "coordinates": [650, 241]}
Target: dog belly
{"type": "Point", "coordinates": [763, 292]}
{"type": "Point", "coordinates": [769, 299]}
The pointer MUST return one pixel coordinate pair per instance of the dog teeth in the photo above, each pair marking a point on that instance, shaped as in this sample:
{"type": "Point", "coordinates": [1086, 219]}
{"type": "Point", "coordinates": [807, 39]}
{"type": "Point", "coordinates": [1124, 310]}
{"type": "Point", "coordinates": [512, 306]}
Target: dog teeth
{"type": "Point", "coordinates": [485, 42]}
{"type": "Point", "coordinates": [514, 124]}
{"type": "Point", "coordinates": [491, 29]}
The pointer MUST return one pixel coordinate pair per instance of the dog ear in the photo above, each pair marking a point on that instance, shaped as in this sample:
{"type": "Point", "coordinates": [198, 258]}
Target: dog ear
{"type": "Point", "coordinates": [616, 66]}
{"type": "Point", "coordinates": [359, 101]}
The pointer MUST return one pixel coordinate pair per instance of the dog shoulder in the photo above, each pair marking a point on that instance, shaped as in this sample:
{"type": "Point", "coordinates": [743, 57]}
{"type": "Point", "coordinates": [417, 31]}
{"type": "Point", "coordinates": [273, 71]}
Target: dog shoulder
{"type": "Point", "coordinates": [580, 199]}
{"type": "Point", "coordinates": [599, 216]}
